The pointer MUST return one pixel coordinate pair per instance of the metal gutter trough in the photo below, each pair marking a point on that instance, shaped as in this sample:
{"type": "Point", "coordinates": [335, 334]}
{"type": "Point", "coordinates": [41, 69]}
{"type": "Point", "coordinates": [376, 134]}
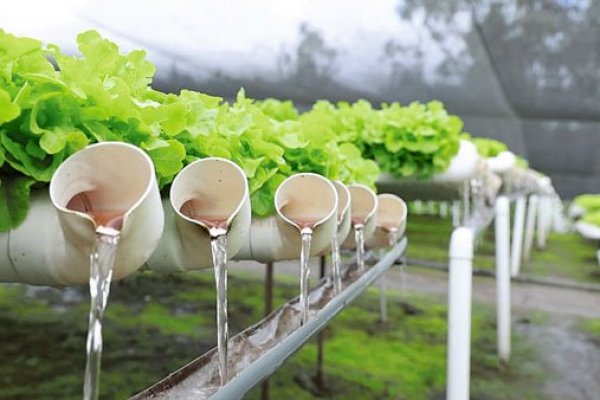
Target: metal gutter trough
{"type": "Point", "coordinates": [258, 351]}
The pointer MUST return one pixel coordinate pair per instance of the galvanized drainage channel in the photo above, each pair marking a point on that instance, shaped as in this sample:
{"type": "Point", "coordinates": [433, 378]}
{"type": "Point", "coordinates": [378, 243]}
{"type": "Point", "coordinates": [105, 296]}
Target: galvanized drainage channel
{"type": "Point", "coordinates": [269, 361]}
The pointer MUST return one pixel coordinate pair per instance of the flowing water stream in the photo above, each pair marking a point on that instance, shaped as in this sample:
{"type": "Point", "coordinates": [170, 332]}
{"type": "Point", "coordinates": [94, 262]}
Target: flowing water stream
{"type": "Point", "coordinates": [336, 267]}
{"type": "Point", "coordinates": [306, 234]}
{"type": "Point", "coordinates": [217, 229]}
{"type": "Point", "coordinates": [218, 246]}
{"type": "Point", "coordinates": [359, 239]}
{"type": "Point", "coordinates": [102, 260]}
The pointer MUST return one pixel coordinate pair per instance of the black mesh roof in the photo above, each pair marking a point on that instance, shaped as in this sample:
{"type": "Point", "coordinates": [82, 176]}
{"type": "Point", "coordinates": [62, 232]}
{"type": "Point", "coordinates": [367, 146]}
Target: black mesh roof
{"type": "Point", "coordinates": [523, 71]}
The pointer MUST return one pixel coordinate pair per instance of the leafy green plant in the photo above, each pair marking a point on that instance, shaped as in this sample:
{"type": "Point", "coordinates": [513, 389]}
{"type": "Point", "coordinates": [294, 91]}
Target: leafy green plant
{"type": "Point", "coordinates": [592, 217]}
{"type": "Point", "coordinates": [488, 148]}
{"type": "Point", "coordinates": [48, 113]}
{"type": "Point", "coordinates": [418, 140]}
{"type": "Point", "coordinates": [589, 202]}
{"type": "Point", "coordinates": [521, 162]}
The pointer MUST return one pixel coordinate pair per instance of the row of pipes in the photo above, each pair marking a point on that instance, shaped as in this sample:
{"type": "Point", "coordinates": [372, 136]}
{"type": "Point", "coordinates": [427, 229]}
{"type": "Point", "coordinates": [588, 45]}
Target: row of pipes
{"type": "Point", "coordinates": [113, 183]}
{"type": "Point", "coordinates": [104, 219]}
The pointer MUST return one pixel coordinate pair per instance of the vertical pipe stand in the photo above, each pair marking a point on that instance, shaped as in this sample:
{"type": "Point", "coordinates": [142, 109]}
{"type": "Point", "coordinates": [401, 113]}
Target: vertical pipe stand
{"type": "Point", "coordinates": [459, 314]}
{"type": "Point", "coordinates": [320, 373]}
{"type": "Point", "coordinates": [541, 222]}
{"type": "Point", "coordinates": [530, 226]}
{"type": "Point", "coordinates": [265, 395]}
{"type": "Point", "coordinates": [503, 277]}
{"type": "Point", "coordinates": [455, 214]}
{"type": "Point", "coordinates": [517, 238]}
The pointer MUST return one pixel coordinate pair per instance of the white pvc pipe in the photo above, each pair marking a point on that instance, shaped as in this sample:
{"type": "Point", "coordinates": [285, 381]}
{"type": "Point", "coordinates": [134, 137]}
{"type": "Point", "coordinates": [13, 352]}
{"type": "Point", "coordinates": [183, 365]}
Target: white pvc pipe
{"type": "Point", "coordinates": [502, 163]}
{"type": "Point", "coordinates": [52, 246]}
{"type": "Point", "coordinates": [530, 226]}
{"type": "Point", "coordinates": [549, 215]}
{"type": "Point", "coordinates": [344, 217]}
{"type": "Point", "coordinates": [462, 166]}
{"type": "Point", "coordinates": [459, 314]}
{"type": "Point", "coordinates": [517, 238]}
{"type": "Point", "coordinates": [503, 277]}
{"type": "Point", "coordinates": [207, 189]}
{"type": "Point", "coordinates": [391, 214]}
{"type": "Point", "coordinates": [363, 206]}
{"type": "Point", "coordinates": [455, 213]}
{"type": "Point", "coordinates": [300, 197]}
{"type": "Point", "coordinates": [541, 222]}
{"type": "Point", "coordinates": [466, 200]}
{"type": "Point", "coordinates": [443, 210]}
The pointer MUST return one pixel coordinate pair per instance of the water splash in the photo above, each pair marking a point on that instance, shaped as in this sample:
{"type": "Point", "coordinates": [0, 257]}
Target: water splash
{"type": "Point", "coordinates": [218, 244]}
{"type": "Point", "coordinates": [102, 260]}
{"type": "Point", "coordinates": [336, 263]}
{"type": "Point", "coordinates": [359, 239]}
{"type": "Point", "coordinates": [306, 234]}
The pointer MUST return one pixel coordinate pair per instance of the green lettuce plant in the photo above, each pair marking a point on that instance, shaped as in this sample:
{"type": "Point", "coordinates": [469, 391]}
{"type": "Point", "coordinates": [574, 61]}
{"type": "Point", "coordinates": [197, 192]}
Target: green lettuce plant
{"type": "Point", "coordinates": [47, 113]}
{"type": "Point", "coordinates": [589, 202]}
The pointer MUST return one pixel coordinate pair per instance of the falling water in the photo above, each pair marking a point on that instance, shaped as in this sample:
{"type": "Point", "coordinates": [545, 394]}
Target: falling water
{"type": "Point", "coordinates": [392, 240]}
{"type": "Point", "coordinates": [217, 229]}
{"type": "Point", "coordinates": [102, 261]}
{"type": "Point", "coordinates": [336, 265]}
{"type": "Point", "coordinates": [218, 246]}
{"type": "Point", "coordinates": [359, 239]}
{"type": "Point", "coordinates": [306, 233]}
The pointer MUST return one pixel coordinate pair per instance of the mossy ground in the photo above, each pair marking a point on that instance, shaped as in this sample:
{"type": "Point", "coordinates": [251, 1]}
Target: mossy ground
{"type": "Point", "coordinates": [155, 324]}
{"type": "Point", "coordinates": [566, 256]}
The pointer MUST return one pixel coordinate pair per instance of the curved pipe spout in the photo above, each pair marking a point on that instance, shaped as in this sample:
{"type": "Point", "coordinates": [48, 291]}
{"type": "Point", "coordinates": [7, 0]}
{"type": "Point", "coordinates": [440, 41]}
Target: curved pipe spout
{"type": "Point", "coordinates": [390, 219]}
{"type": "Point", "coordinates": [208, 197]}
{"type": "Point", "coordinates": [110, 184]}
{"type": "Point", "coordinates": [302, 200]}
{"type": "Point", "coordinates": [363, 205]}
{"type": "Point", "coordinates": [344, 216]}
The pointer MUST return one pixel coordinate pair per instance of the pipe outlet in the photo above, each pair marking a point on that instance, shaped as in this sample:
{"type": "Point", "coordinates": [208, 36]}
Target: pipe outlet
{"type": "Point", "coordinates": [363, 206]}
{"type": "Point", "coordinates": [208, 198]}
{"type": "Point", "coordinates": [344, 215]}
{"type": "Point", "coordinates": [302, 201]}
{"type": "Point", "coordinates": [109, 185]}
{"type": "Point", "coordinates": [390, 218]}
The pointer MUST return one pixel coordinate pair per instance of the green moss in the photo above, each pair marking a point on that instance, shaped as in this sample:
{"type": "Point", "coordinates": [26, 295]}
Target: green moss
{"type": "Point", "coordinates": [566, 256]}
{"type": "Point", "coordinates": [155, 324]}
{"type": "Point", "coordinates": [591, 327]}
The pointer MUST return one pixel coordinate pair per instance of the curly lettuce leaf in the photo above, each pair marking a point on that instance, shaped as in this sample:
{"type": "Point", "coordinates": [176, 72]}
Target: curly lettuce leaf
{"type": "Point", "coordinates": [14, 201]}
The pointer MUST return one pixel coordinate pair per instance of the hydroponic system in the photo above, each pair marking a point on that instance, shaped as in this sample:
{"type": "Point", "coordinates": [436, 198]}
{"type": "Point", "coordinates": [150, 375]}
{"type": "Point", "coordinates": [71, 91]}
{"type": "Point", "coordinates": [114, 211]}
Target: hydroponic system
{"type": "Point", "coordinates": [101, 175]}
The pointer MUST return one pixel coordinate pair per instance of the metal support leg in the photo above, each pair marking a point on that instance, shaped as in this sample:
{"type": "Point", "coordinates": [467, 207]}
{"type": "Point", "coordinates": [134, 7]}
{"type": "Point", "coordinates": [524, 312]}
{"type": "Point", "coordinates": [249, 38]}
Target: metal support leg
{"type": "Point", "coordinates": [503, 277]}
{"type": "Point", "coordinates": [517, 238]}
{"type": "Point", "coordinates": [265, 395]}
{"type": "Point", "coordinates": [320, 373]}
{"type": "Point", "coordinates": [459, 314]}
{"type": "Point", "coordinates": [530, 226]}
